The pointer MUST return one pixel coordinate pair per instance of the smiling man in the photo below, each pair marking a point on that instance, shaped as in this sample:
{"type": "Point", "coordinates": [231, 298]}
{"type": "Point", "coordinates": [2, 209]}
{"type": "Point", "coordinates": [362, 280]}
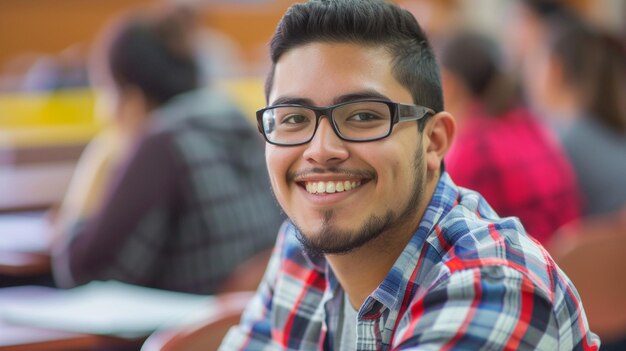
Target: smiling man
{"type": "Point", "coordinates": [381, 250]}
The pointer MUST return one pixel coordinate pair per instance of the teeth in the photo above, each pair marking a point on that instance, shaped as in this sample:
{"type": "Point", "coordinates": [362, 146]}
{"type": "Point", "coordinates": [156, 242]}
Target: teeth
{"type": "Point", "coordinates": [331, 187]}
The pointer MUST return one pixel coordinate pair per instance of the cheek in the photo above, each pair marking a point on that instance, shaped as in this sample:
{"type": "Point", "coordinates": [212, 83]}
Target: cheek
{"type": "Point", "coordinates": [400, 158]}
{"type": "Point", "coordinates": [274, 163]}
{"type": "Point", "coordinates": [279, 161]}
{"type": "Point", "coordinates": [389, 165]}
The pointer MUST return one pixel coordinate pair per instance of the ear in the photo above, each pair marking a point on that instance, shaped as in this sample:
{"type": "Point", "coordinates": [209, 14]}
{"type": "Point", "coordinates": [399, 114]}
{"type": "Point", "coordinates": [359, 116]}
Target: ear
{"type": "Point", "coordinates": [439, 133]}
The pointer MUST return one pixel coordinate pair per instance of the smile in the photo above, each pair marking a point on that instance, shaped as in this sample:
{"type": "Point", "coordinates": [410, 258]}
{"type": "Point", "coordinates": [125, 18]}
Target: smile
{"type": "Point", "coordinates": [330, 187]}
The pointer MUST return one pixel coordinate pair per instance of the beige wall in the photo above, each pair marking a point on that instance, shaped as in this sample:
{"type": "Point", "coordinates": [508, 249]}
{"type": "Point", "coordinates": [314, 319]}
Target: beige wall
{"type": "Point", "coordinates": [50, 26]}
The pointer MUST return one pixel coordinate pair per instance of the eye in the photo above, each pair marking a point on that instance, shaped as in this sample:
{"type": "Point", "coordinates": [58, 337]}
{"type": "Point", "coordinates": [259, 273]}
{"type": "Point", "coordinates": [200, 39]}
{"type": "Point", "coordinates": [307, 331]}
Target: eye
{"type": "Point", "coordinates": [294, 119]}
{"type": "Point", "coordinates": [364, 117]}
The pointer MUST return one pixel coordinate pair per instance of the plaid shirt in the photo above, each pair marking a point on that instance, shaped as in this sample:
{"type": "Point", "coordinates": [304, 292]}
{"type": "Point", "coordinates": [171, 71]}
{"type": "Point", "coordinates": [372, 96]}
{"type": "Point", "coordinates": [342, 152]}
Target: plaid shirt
{"type": "Point", "coordinates": [466, 280]}
{"type": "Point", "coordinates": [518, 167]}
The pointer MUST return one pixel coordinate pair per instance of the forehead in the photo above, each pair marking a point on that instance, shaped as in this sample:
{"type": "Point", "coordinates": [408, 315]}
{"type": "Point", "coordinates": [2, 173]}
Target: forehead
{"type": "Point", "coordinates": [322, 72]}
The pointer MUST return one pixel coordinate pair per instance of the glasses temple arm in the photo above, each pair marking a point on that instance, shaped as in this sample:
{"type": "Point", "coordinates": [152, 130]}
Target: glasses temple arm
{"type": "Point", "coordinates": [413, 112]}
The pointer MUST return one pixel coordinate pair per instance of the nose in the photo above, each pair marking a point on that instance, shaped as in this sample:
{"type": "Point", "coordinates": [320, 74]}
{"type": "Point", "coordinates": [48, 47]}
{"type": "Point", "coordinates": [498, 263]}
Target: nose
{"type": "Point", "coordinates": [325, 148]}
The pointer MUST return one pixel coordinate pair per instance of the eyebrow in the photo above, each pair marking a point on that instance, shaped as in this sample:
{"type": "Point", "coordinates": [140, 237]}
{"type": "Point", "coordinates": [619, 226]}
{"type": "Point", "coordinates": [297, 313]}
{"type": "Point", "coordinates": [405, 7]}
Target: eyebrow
{"type": "Point", "coordinates": [354, 96]}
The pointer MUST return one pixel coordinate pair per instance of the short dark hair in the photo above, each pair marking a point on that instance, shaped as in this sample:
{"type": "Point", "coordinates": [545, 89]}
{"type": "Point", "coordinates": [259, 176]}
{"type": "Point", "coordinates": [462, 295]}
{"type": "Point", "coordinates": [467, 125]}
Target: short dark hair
{"type": "Point", "coordinates": [366, 22]}
{"type": "Point", "coordinates": [544, 8]}
{"type": "Point", "coordinates": [475, 60]}
{"type": "Point", "coordinates": [153, 52]}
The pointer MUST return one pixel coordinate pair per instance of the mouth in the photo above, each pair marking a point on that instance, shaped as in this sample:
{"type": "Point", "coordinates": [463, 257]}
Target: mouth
{"type": "Point", "coordinates": [330, 186]}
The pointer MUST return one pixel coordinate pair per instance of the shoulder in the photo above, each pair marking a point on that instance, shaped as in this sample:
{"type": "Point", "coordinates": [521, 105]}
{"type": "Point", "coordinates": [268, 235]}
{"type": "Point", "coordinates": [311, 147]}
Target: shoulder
{"type": "Point", "coordinates": [477, 270]}
{"type": "Point", "coordinates": [472, 235]}
{"type": "Point", "coordinates": [485, 305]}
{"type": "Point", "coordinates": [207, 124]}
{"type": "Point", "coordinates": [201, 109]}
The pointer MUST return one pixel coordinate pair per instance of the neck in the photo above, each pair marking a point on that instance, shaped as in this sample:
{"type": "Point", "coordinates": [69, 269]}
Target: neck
{"type": "Point", "coordinates": [361, 271]}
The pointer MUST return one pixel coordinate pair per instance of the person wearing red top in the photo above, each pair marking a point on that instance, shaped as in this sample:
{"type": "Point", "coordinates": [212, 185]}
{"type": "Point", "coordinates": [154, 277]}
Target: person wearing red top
{"type": "Point", "coordinates": [502, 150]}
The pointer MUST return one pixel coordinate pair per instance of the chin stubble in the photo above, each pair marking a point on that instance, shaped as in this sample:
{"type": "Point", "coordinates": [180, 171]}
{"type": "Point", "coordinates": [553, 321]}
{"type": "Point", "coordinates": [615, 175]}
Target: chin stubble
{"type": "Point", "coordinates": [331, 240]}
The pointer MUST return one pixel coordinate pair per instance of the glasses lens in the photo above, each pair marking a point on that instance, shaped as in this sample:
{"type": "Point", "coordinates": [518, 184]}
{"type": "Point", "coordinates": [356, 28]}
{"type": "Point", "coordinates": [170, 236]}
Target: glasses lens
{"type": "Point", "coordinates": [288, 125]}
{"type": "Point", "coordinates": [363, 120]}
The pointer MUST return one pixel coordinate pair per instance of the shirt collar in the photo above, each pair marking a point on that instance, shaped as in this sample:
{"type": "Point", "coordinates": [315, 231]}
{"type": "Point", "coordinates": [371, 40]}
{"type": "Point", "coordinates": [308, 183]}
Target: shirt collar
{"type": "Point", "coordinates": [394, 287]}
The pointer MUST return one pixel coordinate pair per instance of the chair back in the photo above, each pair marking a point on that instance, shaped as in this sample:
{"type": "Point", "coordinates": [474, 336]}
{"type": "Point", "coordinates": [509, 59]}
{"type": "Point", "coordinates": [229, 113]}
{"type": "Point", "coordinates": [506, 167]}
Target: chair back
{"type": "Point", "coordinates": [206, 334]}
{"type": "Point", "coordinates": [596, 264]}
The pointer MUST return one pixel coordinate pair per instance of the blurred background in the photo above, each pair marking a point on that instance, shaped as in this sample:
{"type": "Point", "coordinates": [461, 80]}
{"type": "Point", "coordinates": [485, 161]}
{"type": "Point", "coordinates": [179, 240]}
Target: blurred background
{"type": "Point", "coordinates": [48, 110]}
{"type": "Point", "coordinates": [35, 33]}
{"type": "Point", "coordinates": [538, 83]}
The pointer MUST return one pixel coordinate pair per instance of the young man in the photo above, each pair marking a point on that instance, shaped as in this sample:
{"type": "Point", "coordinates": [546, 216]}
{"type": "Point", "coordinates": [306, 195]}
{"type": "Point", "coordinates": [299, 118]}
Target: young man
{"type": "Point", "coordinates": [382, 251]}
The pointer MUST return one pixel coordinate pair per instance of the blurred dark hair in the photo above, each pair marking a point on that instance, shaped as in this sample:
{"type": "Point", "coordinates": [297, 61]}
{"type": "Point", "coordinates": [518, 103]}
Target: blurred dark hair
{"type": "Point", "coordinates": [475, 60]}
{"type": "Point", "coordinates": [544, 8]}
{"type": "Point", "coordinates": [368, 23]}
{"type": "Point", "coordinates": [154, 52]}
{"type": "Point", "coordinates": [594, 63]}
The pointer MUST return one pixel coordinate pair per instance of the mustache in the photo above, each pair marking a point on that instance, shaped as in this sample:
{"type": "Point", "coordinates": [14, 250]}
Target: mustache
{"type": "Point", "coordinates": [348, 173]}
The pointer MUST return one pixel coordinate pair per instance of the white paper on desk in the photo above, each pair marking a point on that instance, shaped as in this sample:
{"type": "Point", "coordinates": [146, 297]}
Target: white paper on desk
{"type": "Point", "coordinates": [107, 308]}
{"type": "Point", "coordinates": [24, 232]}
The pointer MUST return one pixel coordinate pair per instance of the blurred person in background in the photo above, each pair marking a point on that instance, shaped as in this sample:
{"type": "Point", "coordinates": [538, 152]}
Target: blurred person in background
{"type": "Point", "coordinates": [501, 150]}
{"type": "Point", "coordinates": [217, 54]}
{"type": "Point", "coordinates": [523, 30]}
{"type": "Point", "coordinates": [67, 70]}
{"type": "Point", "coordinates": [578, 81]}
{"type": "Point", "coordinates": [437, 17]}
{"type": "Point", "coordinates": [188, 200]}
{"type": "Point", "coordinates": [576, 78]}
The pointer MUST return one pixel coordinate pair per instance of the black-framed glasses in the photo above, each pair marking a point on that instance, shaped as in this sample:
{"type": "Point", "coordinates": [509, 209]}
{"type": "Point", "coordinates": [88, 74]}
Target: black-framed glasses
{"type": "Point", "coordinates": [357, 121]}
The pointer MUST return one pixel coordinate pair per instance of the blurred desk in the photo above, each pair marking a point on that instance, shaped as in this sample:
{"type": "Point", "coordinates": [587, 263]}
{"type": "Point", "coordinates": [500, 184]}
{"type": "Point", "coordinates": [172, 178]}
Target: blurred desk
{"type": "Point", "coordinates": [24, 263]}
{"type": "Point", "coordinates": [100, 315]}
{"type": "Point", "coordinates": [24, 247]}
{"type": "Point", "coordinates": [17, 338]}
{"type": "Point", "coordinates": [23, 338]}
{"type": "Point", "coordinates": [28, 338]}
{"type": "Point", "coordinates": [36, 164]}
{"type": "Point", "coordinates": [33, 186]}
